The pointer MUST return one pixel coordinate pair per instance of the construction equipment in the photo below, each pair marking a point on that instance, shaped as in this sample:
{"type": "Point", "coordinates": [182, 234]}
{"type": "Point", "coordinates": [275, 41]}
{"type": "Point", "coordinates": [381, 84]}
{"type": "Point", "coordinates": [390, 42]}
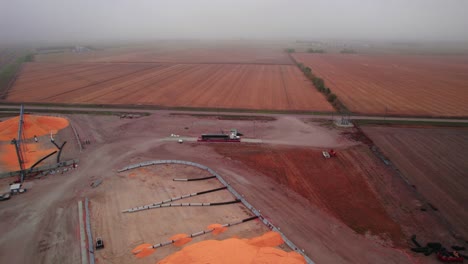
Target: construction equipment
{"type": "Point", "coordinates": [5, 196]}
{"type": "Point", "coordinates": [233, 136]}
{"type": "Point", "coordinates": [99, 243]}
{"type": "Point", "coordinates": [328, 154]}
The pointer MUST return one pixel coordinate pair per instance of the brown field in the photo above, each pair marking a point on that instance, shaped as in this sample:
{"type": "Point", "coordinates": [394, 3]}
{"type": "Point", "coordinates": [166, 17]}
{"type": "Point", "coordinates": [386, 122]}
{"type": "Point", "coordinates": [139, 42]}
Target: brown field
{"type": "Point", "coordinates": [395, 84]}
{"type": "Point", "coordinates": [435, 161]}
{"type": "Point", "coordinates": [179, 52]}
{"type": "Point", "coordinates": [240, 86]}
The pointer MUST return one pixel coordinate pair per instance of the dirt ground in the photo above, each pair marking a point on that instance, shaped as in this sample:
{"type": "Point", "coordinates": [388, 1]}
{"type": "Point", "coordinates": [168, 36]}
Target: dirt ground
{"type": "Point", "coordinates": [434, 161]}
{"type": "Point", "coordinates": [238, 86]}
{"type": "Point", "coordinates": [123, 232]}
{"type": "Point", "coordinates": [43, 221]}
{"type": "Point", "coordinates": [395, 84]}
{"type": "Point", "coordinates": [335, 185]}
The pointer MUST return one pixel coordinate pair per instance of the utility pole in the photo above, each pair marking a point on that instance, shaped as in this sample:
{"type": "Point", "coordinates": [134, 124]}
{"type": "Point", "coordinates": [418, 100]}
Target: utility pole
{"type": "Point", "coordinates": [17, 142]}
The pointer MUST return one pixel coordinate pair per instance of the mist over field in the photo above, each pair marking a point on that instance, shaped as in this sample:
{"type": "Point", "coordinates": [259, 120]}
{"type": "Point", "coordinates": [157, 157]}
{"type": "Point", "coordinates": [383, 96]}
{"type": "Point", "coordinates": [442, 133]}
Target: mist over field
{"type": "Point", "coordinates": [53, 21]}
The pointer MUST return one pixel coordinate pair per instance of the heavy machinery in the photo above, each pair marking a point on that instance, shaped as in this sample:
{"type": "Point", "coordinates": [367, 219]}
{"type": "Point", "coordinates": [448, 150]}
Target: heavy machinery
{"type": "Point", "coordinates": [233, 136]}
{"type": "Point", "coordinates": [99, 243]}
{"type": "Point", "coordinates": [328, 154]}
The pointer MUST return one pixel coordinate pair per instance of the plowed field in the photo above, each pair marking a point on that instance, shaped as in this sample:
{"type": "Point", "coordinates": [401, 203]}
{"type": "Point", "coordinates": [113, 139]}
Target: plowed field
{"type": "Point", "coordinates": [337, 185]}
{"type": "Point", "coordinates": [240, 86]}
{"type": "Point", "coordinates": [395, 84]}
{"type": "Point", "coordinates": [435, 162]}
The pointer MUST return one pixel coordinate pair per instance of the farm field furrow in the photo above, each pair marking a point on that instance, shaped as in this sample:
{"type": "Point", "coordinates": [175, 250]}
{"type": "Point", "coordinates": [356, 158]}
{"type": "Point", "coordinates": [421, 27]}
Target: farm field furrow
{"type": "Point", "coordinates": [395, 84]}
{"type": "Point", "coordinates": [239, 86]}
{"type": "Point", "coordinates": [52, 90]}
{"type": "Point", "coordinates": [434, 161]}
{"type": "Point", "coordinates": [141, 77]}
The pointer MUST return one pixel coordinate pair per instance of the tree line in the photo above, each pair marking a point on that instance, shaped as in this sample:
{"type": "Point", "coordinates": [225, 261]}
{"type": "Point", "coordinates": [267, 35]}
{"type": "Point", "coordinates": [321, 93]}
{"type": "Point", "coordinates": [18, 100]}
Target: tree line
{"type": "Point", "coordinates": [319, 83]}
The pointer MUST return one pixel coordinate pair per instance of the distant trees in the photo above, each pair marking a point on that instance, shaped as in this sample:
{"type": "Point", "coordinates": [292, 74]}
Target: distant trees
{"type": "Point", "coordinates": [319, 83]}
{"type": "Point", "coordinates": [26, 58]}
{"type": "Point", "coordinates": [290, 50]}
{"type": "Point", "coordinates": [316, 51]}
{"type": "Point", "coordinates": [348, 51]}
{"type": "Point", "coordinates": [331, 97]}
{"type": "Point", "coordinates": [308, 72]}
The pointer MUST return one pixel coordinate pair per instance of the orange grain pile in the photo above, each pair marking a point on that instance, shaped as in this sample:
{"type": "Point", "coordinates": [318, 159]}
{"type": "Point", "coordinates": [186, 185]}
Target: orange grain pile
{"type": "Point", "coordinates": [181, 239]}
{"type": "Point", "coordinates": [218, 228]}
{"type": "Point", "coordinates": [143, 250]}
{"type": "Point", "coordinates": [33, 125]}
{"type": "Point", "coordinates": [34, 152]}
{"type": "Point", "coordinates": [235, 251]}
{"type": "Point", "coordinates": [269, 239]}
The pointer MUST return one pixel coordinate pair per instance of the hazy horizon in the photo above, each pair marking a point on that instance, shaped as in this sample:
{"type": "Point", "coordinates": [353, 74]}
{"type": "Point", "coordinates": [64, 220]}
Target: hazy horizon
{"type": "Point", "coordinates": [58, 21]}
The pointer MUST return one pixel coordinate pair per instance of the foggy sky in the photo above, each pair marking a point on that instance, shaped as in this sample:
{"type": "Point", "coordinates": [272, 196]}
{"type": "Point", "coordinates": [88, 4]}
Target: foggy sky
{"type": "Point", "coordinates": [89, 20]}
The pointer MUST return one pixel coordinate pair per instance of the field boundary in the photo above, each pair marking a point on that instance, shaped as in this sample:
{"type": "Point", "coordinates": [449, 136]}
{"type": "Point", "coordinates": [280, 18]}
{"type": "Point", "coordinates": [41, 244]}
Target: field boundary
{"type": "Point", "coordinates": [159, 107]}
{"type": "Point", "coordinates": [231, 189]}
{"type": "Point", "coordinates": [319, 84]}
{"type": "Point", "coordinates": [376, 122]}
{"type": "Point", "coordinates": [115, 110]}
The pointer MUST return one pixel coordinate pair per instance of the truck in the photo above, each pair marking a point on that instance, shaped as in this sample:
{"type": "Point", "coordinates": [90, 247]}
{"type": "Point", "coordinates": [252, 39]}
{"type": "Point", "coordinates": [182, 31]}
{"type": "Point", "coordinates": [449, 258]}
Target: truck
{"type": "Point", "coordinates": [233, 136]}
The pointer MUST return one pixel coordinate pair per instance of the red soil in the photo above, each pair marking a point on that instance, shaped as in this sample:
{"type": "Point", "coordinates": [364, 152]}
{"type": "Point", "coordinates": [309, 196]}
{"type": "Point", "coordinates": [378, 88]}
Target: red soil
{"type": "Point", "coordinates": [435, 161]}
{"type": "Point", "coordinates": [276, 87]}
{"type": "Point", "coordinates": [337, 185]}
{"type": "Point", "coordinates": [395, 84]}
{"type": "Point", "coordinates": [218, 228]}
{"type": "Point", "coordinates": [180, 239]}
{"type": "Point", "coordinates": [143, 250]}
